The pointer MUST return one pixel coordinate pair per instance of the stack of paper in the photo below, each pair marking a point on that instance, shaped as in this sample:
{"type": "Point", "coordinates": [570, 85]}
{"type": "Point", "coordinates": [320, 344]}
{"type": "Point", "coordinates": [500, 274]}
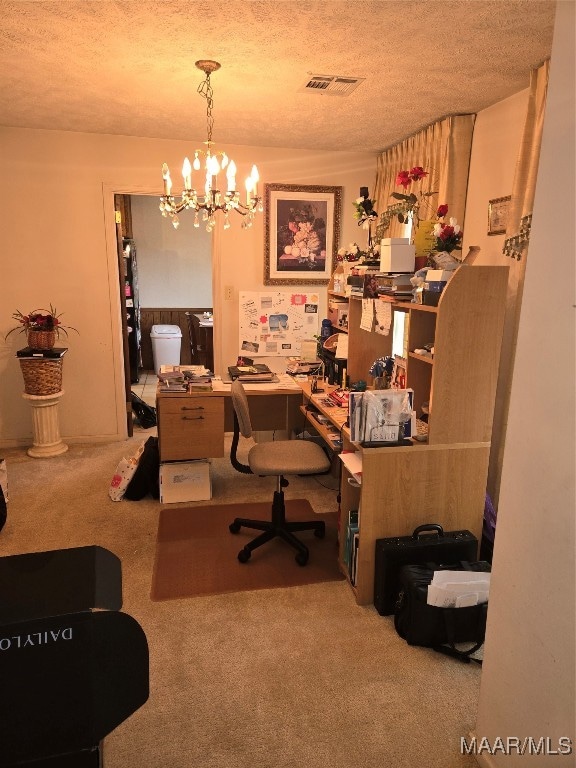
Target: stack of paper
{"type": "Point", "coordinates": [458, 589]}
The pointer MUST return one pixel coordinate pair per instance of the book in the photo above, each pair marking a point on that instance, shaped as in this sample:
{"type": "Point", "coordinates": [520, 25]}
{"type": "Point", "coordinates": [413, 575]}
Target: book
{"type": "Point", "coordinates": [256, 372]}
{"type": "Point", "coordinates": [53, 353]}
{"type": "Point", "coordinates": [352, 527]}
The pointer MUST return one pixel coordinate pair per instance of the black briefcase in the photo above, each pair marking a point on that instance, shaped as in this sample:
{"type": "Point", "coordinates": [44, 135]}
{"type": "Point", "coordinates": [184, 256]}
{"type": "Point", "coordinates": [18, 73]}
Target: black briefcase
{"type": "Point", "coordinates": [428, 544]}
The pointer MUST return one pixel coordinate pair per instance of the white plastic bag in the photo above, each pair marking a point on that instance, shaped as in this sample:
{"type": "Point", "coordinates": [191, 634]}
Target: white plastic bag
{"type": "Point", "coordinates": [124, 473]}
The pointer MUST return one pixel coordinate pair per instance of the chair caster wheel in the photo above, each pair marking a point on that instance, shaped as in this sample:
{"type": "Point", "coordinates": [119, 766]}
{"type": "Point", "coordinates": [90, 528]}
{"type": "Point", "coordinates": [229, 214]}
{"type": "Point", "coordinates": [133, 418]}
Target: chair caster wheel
{"type": "Point", "coordinates": [234, 527]}
{"type": "Point", "coordinates": [320, 533]}
{"type": "Point", "coordinates": [244, 555]}
{"type": "Point", "coordinates": [302, 558]}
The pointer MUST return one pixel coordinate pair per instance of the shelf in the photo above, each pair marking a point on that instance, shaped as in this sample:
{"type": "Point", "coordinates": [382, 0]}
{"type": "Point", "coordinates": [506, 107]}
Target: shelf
{"type": "Point", "coordinates": [419, 307]}
{"type": "Point", "coordinates": [424, 358]}
{"type": "Point", "coordinates": [328, 435]}
{"type": "Point", "coordinates": [338, 295]}
{"type": "Point", "coordinates": [441, 476]}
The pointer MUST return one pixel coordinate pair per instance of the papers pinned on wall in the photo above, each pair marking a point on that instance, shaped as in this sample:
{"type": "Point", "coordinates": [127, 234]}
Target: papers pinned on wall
{"type": "Point", "coordinates": [383, 317]}
{"type": "Point", "coordinates": [367, 317]}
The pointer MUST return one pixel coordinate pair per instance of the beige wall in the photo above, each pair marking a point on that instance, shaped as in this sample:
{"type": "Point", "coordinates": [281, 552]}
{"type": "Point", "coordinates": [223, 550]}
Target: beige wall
{"type": "Point", "coordinates": [174, 265]}
{"type": "Point", "coordinates": [497, 135]}
{"type": "Point", "coordinates": [58, 245]}
{"type": "Point", "coordinates": [528, 678]}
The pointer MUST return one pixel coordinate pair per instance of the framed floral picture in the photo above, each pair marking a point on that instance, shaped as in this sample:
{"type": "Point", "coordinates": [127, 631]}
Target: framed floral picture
{"type": "Point", "coordinates": [302, 233]}
{"type": "Point", "coordinates": [498, 215]}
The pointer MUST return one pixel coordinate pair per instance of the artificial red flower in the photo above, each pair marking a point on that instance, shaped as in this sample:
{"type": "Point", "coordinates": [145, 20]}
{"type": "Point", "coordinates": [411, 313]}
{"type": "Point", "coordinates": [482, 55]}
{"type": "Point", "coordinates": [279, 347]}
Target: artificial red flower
{"type": "Point", "coordinates": [418, 173]}
{"type": "Point", "coordinates": [403, 179]}
{"type": "Point", "coordinates": [446, 233]}
{"type": "Point", "coordinates": [442, 211]}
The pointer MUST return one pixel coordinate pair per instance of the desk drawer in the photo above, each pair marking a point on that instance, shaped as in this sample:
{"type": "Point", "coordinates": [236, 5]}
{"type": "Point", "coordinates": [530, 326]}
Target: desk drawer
{"type": "Point", "coordinates": [190, 428]}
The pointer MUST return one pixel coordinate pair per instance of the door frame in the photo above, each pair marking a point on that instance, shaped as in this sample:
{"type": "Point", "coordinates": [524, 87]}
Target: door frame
{"type": "Point", "coordinates": [114, 289]}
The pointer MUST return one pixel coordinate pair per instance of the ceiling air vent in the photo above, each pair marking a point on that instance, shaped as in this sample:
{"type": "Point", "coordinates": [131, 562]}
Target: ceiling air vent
{"type": "Point", "coordinates": [331, 84]}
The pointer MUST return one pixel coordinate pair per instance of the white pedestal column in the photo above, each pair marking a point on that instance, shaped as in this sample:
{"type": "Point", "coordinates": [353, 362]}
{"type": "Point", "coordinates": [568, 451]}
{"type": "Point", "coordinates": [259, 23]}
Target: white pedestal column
{"type": "Point", "coordinates": [45, 425]}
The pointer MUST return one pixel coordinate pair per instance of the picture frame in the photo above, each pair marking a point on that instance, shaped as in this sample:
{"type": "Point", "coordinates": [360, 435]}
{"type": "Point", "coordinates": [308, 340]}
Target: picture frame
{"type": "Point", "coordinates": [498, 215]}
{"type": "Point", "coordinates": [302, 233]}
{"type": "Point", "coordinates": [399, 373]}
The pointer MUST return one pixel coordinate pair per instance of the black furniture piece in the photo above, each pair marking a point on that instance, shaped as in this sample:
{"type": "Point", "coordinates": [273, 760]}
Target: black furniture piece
{"type": "Point", "coordinates": [278, 458]}
{"type": "Point", "coordinates": [70, 674]}
{"type": "Point", "coordinates": [197, 349]}
{"type": "Point", "coordinates": [429, 543]}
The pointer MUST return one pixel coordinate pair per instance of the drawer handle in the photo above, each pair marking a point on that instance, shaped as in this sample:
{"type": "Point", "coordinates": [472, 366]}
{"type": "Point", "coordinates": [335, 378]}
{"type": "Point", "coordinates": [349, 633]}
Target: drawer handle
{"type": "Point", "coordinates": [192, 408]}
{"type": "Point", "coordinates": [192, 418]}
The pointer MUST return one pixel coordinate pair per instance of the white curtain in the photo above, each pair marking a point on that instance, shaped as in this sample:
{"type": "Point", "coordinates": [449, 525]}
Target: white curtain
{"type": "Point", "coordinates": [443, 149]}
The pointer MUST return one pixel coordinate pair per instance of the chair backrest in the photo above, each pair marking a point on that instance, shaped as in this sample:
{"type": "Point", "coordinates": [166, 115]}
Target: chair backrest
{"type": "Point", "coordinates": [241, 425]}
{"type": "Point", "coordinates": [241, 409]}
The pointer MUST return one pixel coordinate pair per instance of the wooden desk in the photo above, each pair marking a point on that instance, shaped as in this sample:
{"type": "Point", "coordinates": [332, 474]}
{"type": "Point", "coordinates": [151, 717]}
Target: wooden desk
{"type": "Point", "coordinates": [403, 487]}
{"type": "Point", "coordinates": [193, 426]}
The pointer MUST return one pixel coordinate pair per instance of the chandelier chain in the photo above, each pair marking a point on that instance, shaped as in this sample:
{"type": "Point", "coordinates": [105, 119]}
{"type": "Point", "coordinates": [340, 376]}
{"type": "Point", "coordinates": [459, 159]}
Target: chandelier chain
{"type": "Point", "coordinates": [205, 90]}
{"type": "Point", "coordinates": [214, 197]}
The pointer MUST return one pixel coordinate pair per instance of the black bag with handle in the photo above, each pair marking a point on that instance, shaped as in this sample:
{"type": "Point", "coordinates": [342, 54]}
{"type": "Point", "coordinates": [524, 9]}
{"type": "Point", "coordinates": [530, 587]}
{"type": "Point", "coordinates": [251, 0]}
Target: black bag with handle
{"type": "Point", "coordinates": [429, 543]}
{"type": "Point", "coordinates": [434, 627]}
{"type": "Point", "coordinates": [146, 478]}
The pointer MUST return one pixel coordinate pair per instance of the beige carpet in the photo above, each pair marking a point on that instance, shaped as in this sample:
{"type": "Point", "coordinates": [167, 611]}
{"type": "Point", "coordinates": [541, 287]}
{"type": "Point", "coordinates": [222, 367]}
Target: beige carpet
{"type": "Point", "coordinates": [197, 555]}
{"type": "Point", "coordinates": [276, 678]}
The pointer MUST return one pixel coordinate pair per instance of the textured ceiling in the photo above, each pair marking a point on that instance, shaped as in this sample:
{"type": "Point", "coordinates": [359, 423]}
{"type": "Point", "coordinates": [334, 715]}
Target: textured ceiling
{"type": "Point", "coordinates": [127, 67]}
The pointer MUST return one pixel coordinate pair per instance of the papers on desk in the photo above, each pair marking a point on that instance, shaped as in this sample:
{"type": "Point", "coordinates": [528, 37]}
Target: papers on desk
{"type": "Point", "coordinates": [458, 589]}
{"type": "Point", "coordinates": [283, 381]}
{"type": "Point", "coordinates": [196, 370]}
{"type": "Point", "coordinates": [352, 460]}
{"type": "Point", "coordinates": [193, 378]}
{"type": "Point", "coordinates": [375, 416]}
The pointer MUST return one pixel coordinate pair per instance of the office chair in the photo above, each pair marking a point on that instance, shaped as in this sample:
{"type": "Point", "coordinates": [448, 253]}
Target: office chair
{"type": "Point", "coordinates": [278, 458]}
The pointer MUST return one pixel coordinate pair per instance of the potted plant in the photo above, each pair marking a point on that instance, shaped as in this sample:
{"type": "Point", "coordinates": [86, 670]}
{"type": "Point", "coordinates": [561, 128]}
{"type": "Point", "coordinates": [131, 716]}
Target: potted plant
{"type": "Point", "coordinates": [42, 327]}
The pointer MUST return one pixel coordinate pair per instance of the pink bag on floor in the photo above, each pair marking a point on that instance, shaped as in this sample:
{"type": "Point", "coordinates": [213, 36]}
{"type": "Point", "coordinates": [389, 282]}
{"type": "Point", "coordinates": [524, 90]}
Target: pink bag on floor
{"type": "Point", "coordinates": [124, 473]}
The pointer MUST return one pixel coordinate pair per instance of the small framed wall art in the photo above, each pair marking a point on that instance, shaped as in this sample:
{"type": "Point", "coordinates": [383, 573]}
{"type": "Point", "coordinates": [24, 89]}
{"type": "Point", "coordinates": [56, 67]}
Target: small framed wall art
{"type": "Point", "coordinates": [498, 215]}
{"type": "Point", "coordinates": [302, 233]}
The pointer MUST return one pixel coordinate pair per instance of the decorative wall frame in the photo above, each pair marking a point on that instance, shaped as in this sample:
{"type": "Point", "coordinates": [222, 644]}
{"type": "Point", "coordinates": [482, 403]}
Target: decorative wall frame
{"type": "Point", "coordinates": [498, 215]}
{"type": "Point", "coordinates": [302, 233]}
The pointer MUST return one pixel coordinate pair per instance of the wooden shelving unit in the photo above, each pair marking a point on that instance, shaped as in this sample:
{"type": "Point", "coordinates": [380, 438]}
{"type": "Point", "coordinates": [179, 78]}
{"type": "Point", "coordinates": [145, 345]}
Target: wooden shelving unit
{"type": "Point", "coordinates": [444, 480]}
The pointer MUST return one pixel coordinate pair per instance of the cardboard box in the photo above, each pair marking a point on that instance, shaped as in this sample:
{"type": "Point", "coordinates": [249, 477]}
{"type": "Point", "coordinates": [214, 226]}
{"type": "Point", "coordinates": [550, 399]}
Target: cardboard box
{"type": "Point", "coordinates": [397, 254]}
{"type": "Point", "coordinates": [438, 275]}
{"type": "Point", "coordinates": [185, 481]}
{"type": "Point", "coordinates": [84, 671]}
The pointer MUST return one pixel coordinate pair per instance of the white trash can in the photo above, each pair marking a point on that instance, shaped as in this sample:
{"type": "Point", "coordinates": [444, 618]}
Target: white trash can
{"type": "Point", "coordinates": [166, 343]}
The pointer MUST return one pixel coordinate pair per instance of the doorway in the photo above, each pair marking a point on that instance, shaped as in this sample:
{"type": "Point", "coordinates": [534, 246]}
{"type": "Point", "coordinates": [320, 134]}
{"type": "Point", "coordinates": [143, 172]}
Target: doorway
{"type": "Point", "coordinates": [174, 274]}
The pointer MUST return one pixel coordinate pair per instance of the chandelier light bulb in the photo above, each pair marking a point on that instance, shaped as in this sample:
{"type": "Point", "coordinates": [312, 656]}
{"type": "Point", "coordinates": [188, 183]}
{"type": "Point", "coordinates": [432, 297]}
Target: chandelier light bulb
{"type": "Point", "coordinates": [187, 173]}
{"type": "Point", "coordinates": [167, 179]}
{"type": "Point", "coordinates": [213, 166]}
{"type": "Point", "coordinates": [213, 199]}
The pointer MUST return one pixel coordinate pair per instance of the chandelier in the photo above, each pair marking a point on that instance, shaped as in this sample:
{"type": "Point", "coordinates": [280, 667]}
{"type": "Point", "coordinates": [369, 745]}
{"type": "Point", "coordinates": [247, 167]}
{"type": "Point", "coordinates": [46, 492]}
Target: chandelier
{"type": "Point", "coordinates": [207, 202]}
